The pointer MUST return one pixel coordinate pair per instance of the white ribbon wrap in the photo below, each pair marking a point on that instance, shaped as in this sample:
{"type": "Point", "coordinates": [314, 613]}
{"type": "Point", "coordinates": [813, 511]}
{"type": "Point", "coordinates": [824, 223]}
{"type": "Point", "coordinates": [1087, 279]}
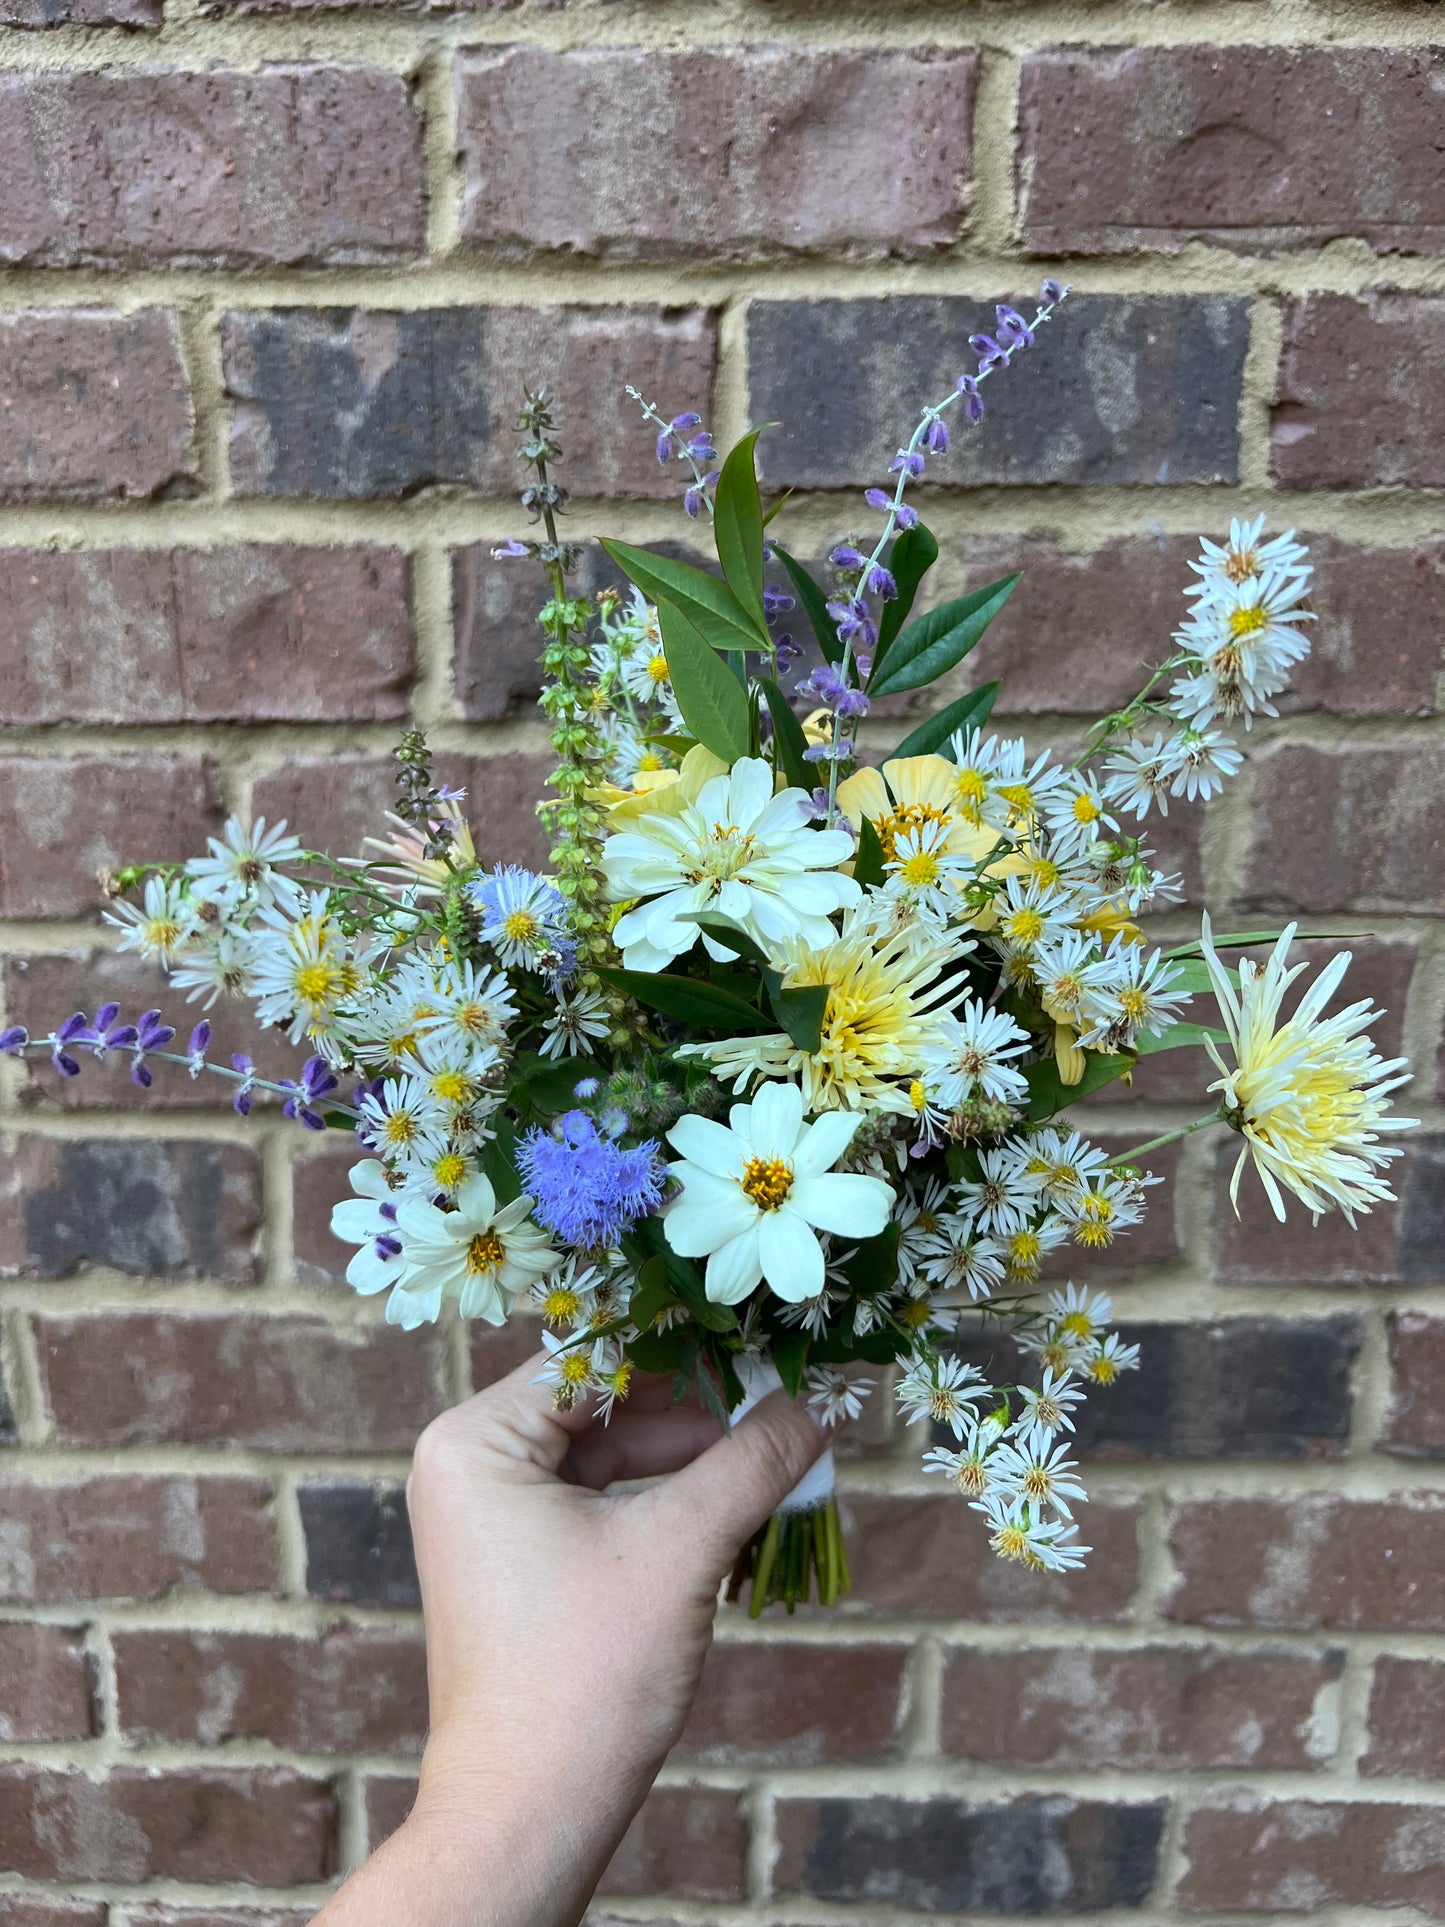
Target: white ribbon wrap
{"type": "Point", "coordinates": [759, 1376]}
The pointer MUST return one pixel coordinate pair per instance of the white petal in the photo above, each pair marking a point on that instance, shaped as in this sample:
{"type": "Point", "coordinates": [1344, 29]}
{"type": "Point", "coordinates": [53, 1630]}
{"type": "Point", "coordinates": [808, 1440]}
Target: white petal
{"type": "Point", "coordinates": [694, 1229]}
{"type": "Point", "coordinates": [705, 1142]}
{"type": "Point", "coordinates": [477, 1200]}
{"type": "Point", "coordinates": [852, 1205]}
{"type": "Point", "coordinates": [735, 1269]}
{"type": "Point", "coordinates": [777, 1118]}
{"type": "Point", "coordinates": [368, 1179]}
{"type": "Point", "coordinates": [823, 1142]}
{"type": "Point", "coordinates": [423, 1223]}
{"type": "Point", "coordinates": [357, 1220]}
{"type": "Point", "coordinates": [409, 1308]}
{"type": "Point", "coordinates": [792, 1258]}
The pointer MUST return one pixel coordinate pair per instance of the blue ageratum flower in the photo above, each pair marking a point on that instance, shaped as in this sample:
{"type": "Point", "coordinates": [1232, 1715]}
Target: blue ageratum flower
{"type": "Point", "coordinates": [588, 1188]}
{"type": "Point", "coordinates": [524, 918]}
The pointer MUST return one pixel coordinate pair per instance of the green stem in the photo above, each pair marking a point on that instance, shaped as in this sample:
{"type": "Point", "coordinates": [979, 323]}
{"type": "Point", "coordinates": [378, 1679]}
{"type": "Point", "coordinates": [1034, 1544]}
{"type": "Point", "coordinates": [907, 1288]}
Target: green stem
{"type": "Point", "coordinates": [1169, 1137]}
{"type": "Point", "coordinates": [763, 1571]}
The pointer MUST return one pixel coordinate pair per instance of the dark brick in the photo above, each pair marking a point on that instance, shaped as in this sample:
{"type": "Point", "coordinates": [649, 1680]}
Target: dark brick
{"type": "Point", "coordinates": [1159, 1709]}
{"type": "Point", "coordinates": [1312, 1560]}
{"type": "Point", "coordinates": [162, 1916]}
{"type": "Point", "coordinates": [280, 1384]}
{"type": "Point", "coordinates": [47, 1690]}
{"type": "Point", "coordinates": [269, 1826]}
{"type": "Point", "coordinates": [927, 1558]}
{"type": "Point", "coordinates": [78, 13]}
{"type": "Point", "coordinates": [1246, 1388]}
{"type": "Point", "coordinates": [1354, 828]}
{"type": "Point", "coordinates": [263, 632]}
{"type": "Point", "coordinates": [358, 1543]}
{"type": "Point", "coordinates": [357, 1690]}
{"type": "Point", "coordinates": [39, 1910]}
{"type": "Point", "coordinates": [497, 1350]}
{"type": "Point", "coordinates": [1152, 1242]}
{"type": "Point", "coordinates": [179, 1209]}
{"type": "Point", "coordinates": [341, 799]}
{"type": "Point", "coordinates": [1407, 1719]}
{"type": "Point", "coordinates": [1348, 413]}
{"type": "Point", "coordinates": [378, 403]}
{"type": "Point", "coordinates": [92, 404]}
{"type": "Point", "coordinates": [135, 1537]}
{"type": "Point", "coordinates": [389, 1799]}
{"type": "Point", "coordinates": [1249, 1853]}
{"type": "Point", "coordinates": [9, 1430]}
{"type": "Point", "coordinates": [795, 1705]}
{"type": "Point", "coordinates": [1254, 147]}
{"type": "Point", "coordinates": [1396, 1244]}
{"type": "Point", "coordinates": [1118, 389]}
{"type": "Point", "coordinates": [1415, 1423]}
{"type": "Point", "coordinates": [783, 146]}
{"type": "Point", "coordinates": [1027, 1856]}
{"type": "Point", "coordinates": [1068, 640]}
{"type": "Point", "coordinates": [690, 1843]}
{"type": "Point", "coordinates": [294, 164]}
{"type": "Point", "coordinates": [68, 818]}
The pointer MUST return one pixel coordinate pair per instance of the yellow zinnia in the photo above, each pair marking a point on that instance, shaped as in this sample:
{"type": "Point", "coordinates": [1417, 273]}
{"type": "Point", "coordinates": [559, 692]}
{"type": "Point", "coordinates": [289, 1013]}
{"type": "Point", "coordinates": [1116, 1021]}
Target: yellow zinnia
{"type": "Point", "coordinates": [912, 793]}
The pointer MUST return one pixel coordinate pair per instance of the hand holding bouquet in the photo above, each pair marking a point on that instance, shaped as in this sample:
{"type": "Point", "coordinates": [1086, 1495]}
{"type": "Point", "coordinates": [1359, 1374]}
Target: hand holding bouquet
{"type": "Point", "coordinates": [764, 1083]}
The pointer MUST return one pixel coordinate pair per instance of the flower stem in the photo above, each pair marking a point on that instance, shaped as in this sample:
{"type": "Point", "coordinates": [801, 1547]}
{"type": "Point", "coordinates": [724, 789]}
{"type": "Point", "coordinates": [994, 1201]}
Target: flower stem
{"type": "Point", "coordinates": [1169, 1137]}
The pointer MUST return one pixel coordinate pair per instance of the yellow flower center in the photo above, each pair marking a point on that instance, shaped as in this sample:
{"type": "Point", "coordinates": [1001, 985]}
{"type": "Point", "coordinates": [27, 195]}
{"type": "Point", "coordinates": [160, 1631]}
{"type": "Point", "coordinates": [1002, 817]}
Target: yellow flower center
{"type": "Point", "coordinates": [520, 925]}
{"type": "Point", "coordinates": [650, 761]}
{"type": "Point", "coordinates": [1086, 810]}
{"type": "Point", "coordinates": [919, 868]}
{"type": "Point", "coordinates": [914, 1314]}
{"type": "Point", "coordinates": [1018, 796]}
{"type": "Point", "coordinates": [1012, 1542]}
{"type": "Point", "coordinates": [767, 1181]}
{"type": "Point", "coordinates": [1240, 565]}
{"type": "Point", "coordinates": [449, 1170]}
{"type": "Point", "coordinates": [1247, 622]}
{"type": "Point", "coordinates": [450, 1086]}
{"type": "Point", "coordinates": [1103, 1370]}
{"type": "Point", "coordinates": [318, 983]}
{"type": "Point", "coordinates": [1037, 1483]}
{"type": "Point", "coordinates": [657, 668]}
{"type": "Point", "coordinates": [486, 1254]}
{"type": "Point", "coordinates": [561, 1305]}
{"type": "Point", "coordinates": [1025, 926]}
{"type": "Point", "coordinates": [1024, 1251]}
{"type": "Point", "coordinates": [574, 1368]}
{"type": "Point", "coordinates": [917, 1095]}
{"type": "Point", "coordinates": [162, 933]}
{"type": "Point", "coordinates": [903, 818]}
{"type": "Point", "coordinates": [1134, 1003]}
{"type": "Point", "coordinates": [400, 1128]}
{"type": "Point", "coordinates": [1078, 1324]}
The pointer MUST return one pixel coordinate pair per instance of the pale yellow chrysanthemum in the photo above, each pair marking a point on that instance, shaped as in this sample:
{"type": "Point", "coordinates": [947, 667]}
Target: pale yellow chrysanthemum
{"type": "Point", "coordinates": [1307, 1095]}
{"type": "Point", "coordinates": [888, 997]}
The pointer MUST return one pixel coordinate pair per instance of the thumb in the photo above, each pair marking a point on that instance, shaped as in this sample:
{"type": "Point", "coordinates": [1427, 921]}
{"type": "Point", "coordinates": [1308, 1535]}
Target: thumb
{"type": "Point", "coordinates": [734, 1487]}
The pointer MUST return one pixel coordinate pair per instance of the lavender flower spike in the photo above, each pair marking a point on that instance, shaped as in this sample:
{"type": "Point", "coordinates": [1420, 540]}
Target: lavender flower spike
{"type": "Point", "coordinates": [315, 1081]}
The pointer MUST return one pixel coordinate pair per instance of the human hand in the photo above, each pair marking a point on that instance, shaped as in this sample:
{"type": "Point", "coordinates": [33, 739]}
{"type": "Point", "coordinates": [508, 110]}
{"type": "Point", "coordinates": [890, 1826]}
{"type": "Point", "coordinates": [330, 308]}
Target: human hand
{"type": "Point", "coordinates": [566, 1629]}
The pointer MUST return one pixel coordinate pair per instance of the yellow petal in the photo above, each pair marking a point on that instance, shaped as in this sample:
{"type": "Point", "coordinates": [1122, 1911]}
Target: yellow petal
{"type": "Point", "coordinates": [1067, 1055]}
{"type": "Point", "coordinates": [923, 779]}
{"type": "Point", "coordinates": [863, 794]}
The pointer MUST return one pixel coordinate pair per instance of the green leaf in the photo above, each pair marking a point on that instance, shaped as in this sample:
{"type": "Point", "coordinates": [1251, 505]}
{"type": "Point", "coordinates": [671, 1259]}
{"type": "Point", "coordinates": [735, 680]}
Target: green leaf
{"type": "Point", "coordinates": [767, 519]}
{"type": "Point", "coordinates": [737, 527]}
{"type": "Point", "coordinates": [868, 867]}
{"type": "Point", "coordinates": [499, 1161]}
{"type": "Point", "coordinates": [1048, 1093]}
{"type": "Point", "coordinates": [654, 1293]}
{"type": "Point", "coordinates": [1246, 939]}
{"type": "Point", "coordinates": [663, 1352]}
{"type": "Point", "coordinates": [713, 702]}
{"type": "Point", "coordinates": [788, 737]}
{"type": "Point", "coordinates": [969, 712]}
{"type": "Point", "coordinates": [790, 1355]}
{"type": "Point", "coordinates": [913, 554]}
{"type": "Point", "coordinates": [801, 1012]}
{"type": "Point", "coordinates": [726, 932]}
{"type": "Point", "coordinates": [815, 606]}
{"type": "Point", "coordinates": [1192, 974]}
{"type": "Point", "coordinates": [1180, 1037]}
{"type": "Point", "coordinates": [689, 1001]}
{"type": "Point", "coordinates": [936, 642]}
{"type": "Point", "coordinates": [338, 1121]}
{"type": "Point", "coordinates": [711, 606]}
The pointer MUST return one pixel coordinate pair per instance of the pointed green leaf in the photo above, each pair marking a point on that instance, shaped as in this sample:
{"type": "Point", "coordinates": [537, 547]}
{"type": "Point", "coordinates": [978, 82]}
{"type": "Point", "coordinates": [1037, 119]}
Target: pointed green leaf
{"type": "Point", "coordinates": [788, 739]}
{"type": "Point", "coordinates": [713, 702]}
{"type": "Point", "coordinates": [1246, 939]}
{"type": "Point", "coordinates": [815, 606]}
{"type": "Point", "coordinates": [868, 867]}
{"type": "Point", "coordinates": [1048, 1093]}
{"type": "Point", "coordinates": [686, 999]}
{"type": "Point", "coordinates": [969, 712]}
{"type": "Point", "coordinates": [1181, 1037]}
{"type": "Point", "coordinates": [790, 1355]}
{"type": "Point", "coordinates": [737, 527]}
{"type": "Point", "coordinates": [499, 1160]}
{"type": "Point", "coordinates": [725, 932]}
{"type": "Point", "coordinates": [913, 554]}
{"type": "Point", "coordinates": [767, 519]}
{"type": "Point", "coordinates": [801, 1012]}
{"type": "Point", "coordinates": [930, 647]}
{"type": "Point", "coordinates": [711, 606]}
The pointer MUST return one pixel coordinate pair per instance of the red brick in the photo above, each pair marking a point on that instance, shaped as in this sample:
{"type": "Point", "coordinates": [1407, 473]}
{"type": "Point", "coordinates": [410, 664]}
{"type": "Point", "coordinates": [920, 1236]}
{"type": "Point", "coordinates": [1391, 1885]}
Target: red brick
{"type": "Point", "coordinates": [161, 1916]}
{"type": "Point", "coordinates": [927, 1558]}
{"type": "Point", "coordinates": [389, 1799]}
{"type": "Point", "coordinates": [497, 1350]}
{"type": "Point", "coordinates": [785, 148]}
{"type": "Point", "coordinates": [359, 403]}
{"type": "Point", "coordinates": [1395, 1244]}
{"type": "Point", "coordinates": [294, 164]}
{"type": "Point", "coordinates": [335, 801]}
{"type": "Point", "coordinates": [1312, 1560]}
{"type": "Point", "coordinates": [267, 1826]}
{"type": "Point", "coordinates": [134, 1536]}
{"type": "Point", "coordinates": [1254, 147]}
{"type": "Point", "coordinates": [1355, 828]}
{"type": "Point", "coordinates": [177, 1209]}
{"type": "Point", "coordinates": [1160, 1709]}
{"type": "Point", "coordinates": [39, 1910]}
{"type": "Point", "coordinates": [1415, 1423]}
{"type": "Point", "coordinates": [790, 1705]}
{"type": "Point", "coordinates": [1407, 1719]}
{"type": "Point", "coordinates": [262, 632]}
{"type": "Point", "coordinates": [690, 1843]}
{"type": "Point", "coordinates": [280, 1384]}
{"type": "Point", "coordinates": [92, 404]}
{"type": "Point", "coordinates": [67, 818]}
{"type": "Point", "coordinates": [1251, 1854]}
{"type": "Point", "coordinates": [1350, 411]}
{"type": "Point", "coordinates": [79, 13]}
{"type": "Point", "coordinates": [42, 991]}
{"type": "Point", "coordinates": [357, 1690]}
{"type": "Point", "coordinates": [46, 1684]}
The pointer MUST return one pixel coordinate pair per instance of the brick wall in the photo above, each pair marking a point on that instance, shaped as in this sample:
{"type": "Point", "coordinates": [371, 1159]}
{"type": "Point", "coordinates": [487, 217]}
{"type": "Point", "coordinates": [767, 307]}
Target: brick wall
{"type": "Point", "coordinates": [274, 275]}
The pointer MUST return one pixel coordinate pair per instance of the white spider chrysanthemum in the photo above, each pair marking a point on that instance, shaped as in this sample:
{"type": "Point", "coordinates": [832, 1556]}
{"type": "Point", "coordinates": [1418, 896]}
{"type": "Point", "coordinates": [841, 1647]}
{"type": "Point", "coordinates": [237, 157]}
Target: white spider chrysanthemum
{"type": "Point", "coordinates": [973, 1057]}
{"type": "Point", "coordinates": [1307, 1095]}
{"type": "Point", "coordinates": [1075, 815]}
{"type": "Point", "coordinates": [244, 865]}
{"type": "Point", "coordinates": [756, 1192]}
{"type": "Point", "coordinates": [1080, 1314]}
{"type": "Point", "coordinates": [1107, 1357]}
{"type": "Point", "coordinates": [403, 1117]}
{"type": "Point", "coordinates": [1038, 1470]}
{"type": "Point", "coordinates": [522, 915]}
{"type": "Point", "coordinates": [470, 1002]}
{"type": "Point", "coordinates": [1046, 1407]}
{"type": "Point", "coordinates": [739, 852]}
{"type": "Point", "coordinates": [955, 1258]}
{"type": "Point", "coordinates": [160, 926]}
{"type": "Point", "coordinates": [481, 1255]}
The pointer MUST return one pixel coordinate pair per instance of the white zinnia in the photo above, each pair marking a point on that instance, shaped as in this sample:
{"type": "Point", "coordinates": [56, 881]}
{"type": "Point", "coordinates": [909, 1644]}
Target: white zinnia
{"type": "Point", "coordinates": [738, 851]}
{"type": "Point", "coordinates": [480, 1255]}
{"type": "Point", "coordinates": [756, 1191]}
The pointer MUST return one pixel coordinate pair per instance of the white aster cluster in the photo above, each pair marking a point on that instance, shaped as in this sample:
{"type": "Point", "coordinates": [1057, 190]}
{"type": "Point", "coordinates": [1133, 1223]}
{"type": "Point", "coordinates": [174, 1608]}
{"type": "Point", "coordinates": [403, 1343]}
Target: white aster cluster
{"type": "Point", "coordinates": [634, 688]}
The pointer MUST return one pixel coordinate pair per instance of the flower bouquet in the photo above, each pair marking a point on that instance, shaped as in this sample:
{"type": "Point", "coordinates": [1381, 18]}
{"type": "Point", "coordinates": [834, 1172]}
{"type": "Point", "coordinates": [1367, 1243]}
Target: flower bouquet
{"type": "Point", "coordinates": [764, 1084]}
